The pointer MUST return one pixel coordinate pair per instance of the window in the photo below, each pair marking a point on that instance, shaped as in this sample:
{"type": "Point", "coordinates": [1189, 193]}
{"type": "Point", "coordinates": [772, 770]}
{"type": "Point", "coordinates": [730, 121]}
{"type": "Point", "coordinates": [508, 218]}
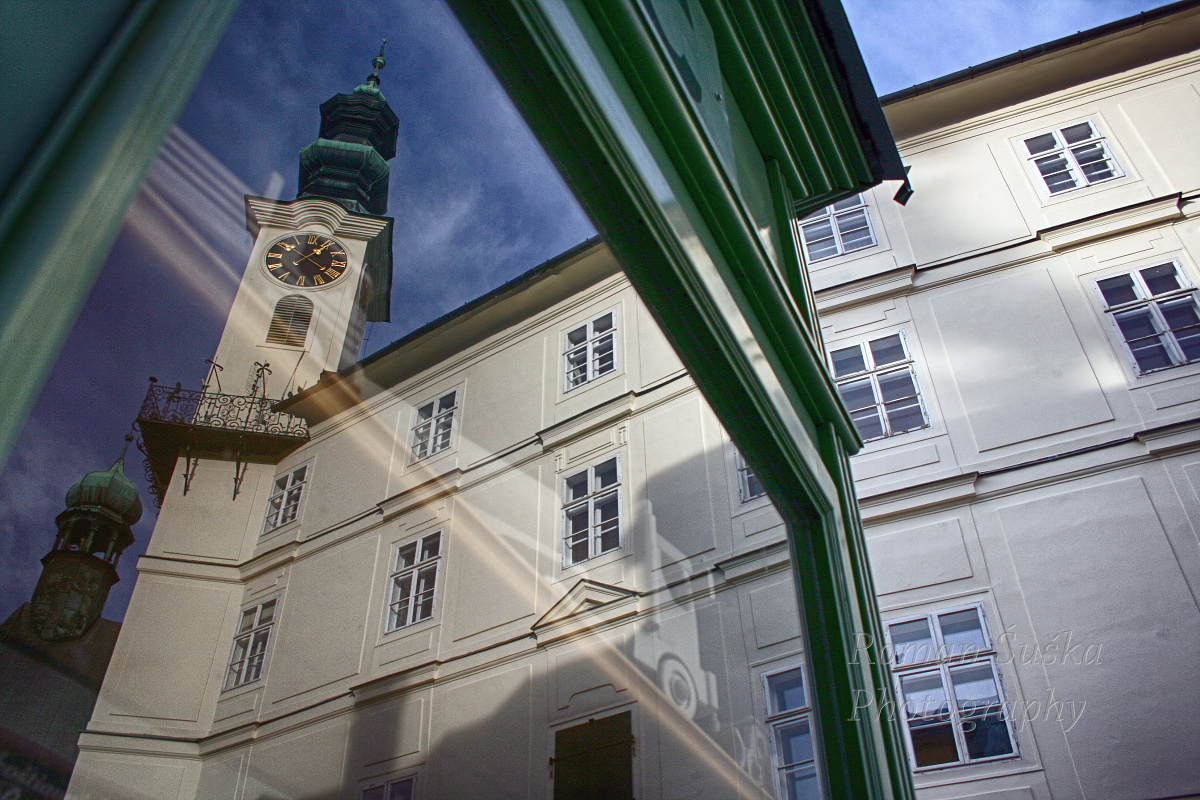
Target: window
{"type": "Point", "coordinates": [876, 382]}
{"type": "Point", "coordinates": [392, 790]}
{"type": "Point", "coordinates": [434, 425]}
{"type": "Point", "coordinates": [789, 718]}
{"type": "Point", "coordinates": [840, 228]}
{"type": "Point", "coordinates": [749, 486]}
{"type": "Point", "coordinates": [284, 504]}
{"type": "Point", "coordinates": [1072, 157]}
{"type": "Point", "coordinates": [413, 581]}
{"type": "Point", "coordinates": [1154, 309]}
{"type": "Point", "coordinates": [954, 706]}
{"type": "Point", "coordinates": [591, 512]}
{"type": "Point", "coordinates": [250, 645]}
{"type": "Point", "coordinates": [289, 323]}
{"type": "Point", "coordinates": [590, 351]}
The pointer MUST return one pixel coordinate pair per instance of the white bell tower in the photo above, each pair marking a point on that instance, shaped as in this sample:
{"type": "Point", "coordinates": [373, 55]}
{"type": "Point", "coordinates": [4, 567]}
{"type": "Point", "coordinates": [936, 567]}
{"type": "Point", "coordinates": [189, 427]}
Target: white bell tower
{"type": "Point", "coordinates": [321, 266]}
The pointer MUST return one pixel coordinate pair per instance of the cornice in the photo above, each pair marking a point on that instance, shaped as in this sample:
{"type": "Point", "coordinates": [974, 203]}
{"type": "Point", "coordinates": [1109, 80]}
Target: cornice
{"type": "Point", "coordinates": [309, 211]}
{"type": "Point", "coordinates": [1111, 223]}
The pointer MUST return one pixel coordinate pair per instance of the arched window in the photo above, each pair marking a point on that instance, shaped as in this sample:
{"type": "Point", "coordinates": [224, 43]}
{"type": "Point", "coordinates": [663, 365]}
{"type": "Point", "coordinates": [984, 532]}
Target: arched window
{"type": "Point", "coordinates": [289, 324]}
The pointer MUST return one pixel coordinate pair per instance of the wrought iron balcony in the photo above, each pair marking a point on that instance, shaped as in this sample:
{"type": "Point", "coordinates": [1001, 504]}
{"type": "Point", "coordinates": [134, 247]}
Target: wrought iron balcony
{"type": "Point", "coordinates": [194, 424]}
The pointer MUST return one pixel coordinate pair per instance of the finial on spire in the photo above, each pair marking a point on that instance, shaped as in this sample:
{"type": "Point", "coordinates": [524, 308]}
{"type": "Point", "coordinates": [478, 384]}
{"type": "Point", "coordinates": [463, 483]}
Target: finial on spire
{"type": "Point", "coordinates": [377, 62]}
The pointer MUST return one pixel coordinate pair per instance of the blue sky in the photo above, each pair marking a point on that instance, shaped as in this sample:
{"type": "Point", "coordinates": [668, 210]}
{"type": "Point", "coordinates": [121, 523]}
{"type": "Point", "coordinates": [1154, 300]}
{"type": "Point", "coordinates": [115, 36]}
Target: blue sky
{"type": "Point", "coordinates": [475, 201]}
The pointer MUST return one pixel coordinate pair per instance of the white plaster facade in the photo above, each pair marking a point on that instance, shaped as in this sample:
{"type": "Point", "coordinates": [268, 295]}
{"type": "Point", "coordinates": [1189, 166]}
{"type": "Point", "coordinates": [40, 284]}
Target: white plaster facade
{"type": "Point", "coordinates": [1051, 486]}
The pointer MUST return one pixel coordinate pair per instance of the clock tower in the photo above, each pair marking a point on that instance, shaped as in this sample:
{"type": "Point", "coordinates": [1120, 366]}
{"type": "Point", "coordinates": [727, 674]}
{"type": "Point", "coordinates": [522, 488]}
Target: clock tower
{"type": "Point", "coordinates": [321, 265]}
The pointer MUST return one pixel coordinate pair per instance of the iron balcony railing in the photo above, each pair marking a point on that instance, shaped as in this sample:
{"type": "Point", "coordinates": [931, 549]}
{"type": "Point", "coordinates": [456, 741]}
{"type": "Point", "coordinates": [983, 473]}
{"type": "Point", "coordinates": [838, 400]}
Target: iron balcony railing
{"type": "Point", "coordinates": [222, 411]}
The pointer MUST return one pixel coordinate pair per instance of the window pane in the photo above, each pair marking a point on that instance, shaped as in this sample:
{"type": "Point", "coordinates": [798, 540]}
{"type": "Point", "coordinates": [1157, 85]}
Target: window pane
{"type": "Point", "coordinates": [857, 394]}
{"type": "Point", "coordinates": [299, 475]}
{"type": "Point", "coordinates": [819, 241]}
{"type": "Point", "coordinates": [1137, 324]}
{"type": "Point", "coordinates": [905, 415]}
{"type": "Point", "coordinates": [401, 790]}
{"type": "Point", "coordinates": [752, 485]}
{"type": "Point", "coordinates": [974, 686]}
{"type": "Point", "coordinates": [577, 486]}
{"type": "Point", "coordinates": [1056, 172]}
{"type": "Point", "coordinates": [986, 735]}
{"type": "Point", "coordinates": [887, 350]}
{"type": "Point", "coordinates": [267, 613]}
{"type": "Point", "coordinates": [375, 793]}
{"type": "Point", "coordinates": [927, 710]}
{"type": "Point", "coordinates": [795, 743]}
{"type": "Point", "coordinates": [430, 546]}
{"type": "Point", "coordinates": [1117, 290]}
{"type": "Point", "coordinates": [868, 423]}
{"type": "Point", "coordinates": [855, 231]}
{"type": "Point", "coordinates": [577, 336]}
{"type": "Point", "coordinates": [606, 474]}
{"type": "Point", "coordinates": [1041, 144]}
{"type": "Point", "coordinates": [406, 556]}
{"type": "Point", "coordinates": [603, 355]}
{"type": "Point", "coordinates": [1184, 322]}
{"type": "Point", "coordinates": [1161, 279]}
{"type": "Point", "coordinates": [1078, 133]}
{"type": "Point", "coordinates": [603, 324]}
{"type": "Point", "coordinates": [608, 530]}
{"type": "Point", "coordinates": [962, 632]}
{"type": "Point", "coordinates": [1093, 160]}
{"type": "Point", "coordinates": [897, 386]}
{"type": "Point", "coordinates": [912, 642]}
{"type": "Point", "coordinates": [247, 621]}
{"type": "Point", "coordinates": [847, 361]}
{"type": "Point", "coordinates": [802, 784]}
{"type": "Point", "coordinates": [577, 366]}
{"type": "Point", "coordinates": [446, 402]}
{"type": "Point", "coordinates": [425, 412]}
{"type": "Point", "coordinates": [785, 691]}
{"type": "Point", "coordinates": [1144, 341]}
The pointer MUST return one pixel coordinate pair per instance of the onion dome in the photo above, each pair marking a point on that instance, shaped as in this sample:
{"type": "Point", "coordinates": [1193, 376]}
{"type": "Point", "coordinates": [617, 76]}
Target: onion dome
{"type": "Point", "coordinates": [348, 162]}
{"type": "Point", "coordinates": [108, 491]}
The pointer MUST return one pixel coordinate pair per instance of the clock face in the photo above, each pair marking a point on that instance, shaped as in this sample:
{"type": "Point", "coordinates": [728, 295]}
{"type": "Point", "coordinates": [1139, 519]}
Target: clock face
{"type": "Point", "coordinates": [306, 259]}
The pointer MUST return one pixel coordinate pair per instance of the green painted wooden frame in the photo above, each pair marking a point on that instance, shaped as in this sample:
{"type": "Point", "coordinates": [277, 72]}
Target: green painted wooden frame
{"type": "Point", "coordinates": [60, 214]}
{"type": "Point", "coordinates": [594, 83]}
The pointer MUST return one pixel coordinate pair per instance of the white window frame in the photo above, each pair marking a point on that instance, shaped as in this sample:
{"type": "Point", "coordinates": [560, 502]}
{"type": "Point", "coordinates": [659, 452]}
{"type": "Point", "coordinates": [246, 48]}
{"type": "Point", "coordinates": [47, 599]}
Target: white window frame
{"type": "Point", "coordinates": [780, 720]}
{"type": "Point", "coordinates": [836, 215]}
{"type": "Point", "coordinates": [590, 355]}
{"type": "Point", "coordinates": [389, 789]}
{"type": "Point", "coordinates": [287, 495]}
{"type": "Point", "coordinates": [591, 504]}
{"type": "Point", "coordinates": [747, 481]}
{"type": "Point", "coordinates": [1069, 153]}
{"type": "Point", "coordinates": [409, 600]}
{"type": "Point", "coordinates": [874, 373]}
{"type": "Point", "coordinates": [251, 642]}
{"type": "Point", "coordinates": [1152, 303]}
{"type": "Point", "coordinates": [944, 660]}
{"type": "Point", "coordinates": [434, 434]}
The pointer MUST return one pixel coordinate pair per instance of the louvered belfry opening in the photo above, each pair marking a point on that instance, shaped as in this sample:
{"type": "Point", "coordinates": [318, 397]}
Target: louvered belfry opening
{"type": "Point", "coordinates": [289, 324]}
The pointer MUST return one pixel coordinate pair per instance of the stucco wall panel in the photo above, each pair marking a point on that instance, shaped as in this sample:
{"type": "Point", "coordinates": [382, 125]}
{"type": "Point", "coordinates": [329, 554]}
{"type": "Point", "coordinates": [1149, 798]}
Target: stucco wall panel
{"type": "Point", "coordinates": [492, 556]}
{"type": "Point", "coordinates": [483, 732]}
{"type": "Point", "coordinates": [1159, 117]}
{"type": "Point", "coordinates": [962, 204]}
{"type": "Point", "coordinates": [682, 487]}
{"type": "Point", "coordinates": [923, 556]}
{"type": "Point", "coordinates": [1019, 367]}
{"type": "Point", "coordinates": [327, 601]}
{"type": "Point", "coordinates": [1081, 557]}
{"type": "Point", "coordinates": [308, 765]}
{"type": "Point", "coordinates": [163, 669]}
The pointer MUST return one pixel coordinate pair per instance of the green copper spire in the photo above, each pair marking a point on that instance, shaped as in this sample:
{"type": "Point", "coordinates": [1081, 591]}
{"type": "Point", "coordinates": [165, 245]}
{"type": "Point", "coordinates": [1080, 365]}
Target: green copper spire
{"type": "Point", "coordinates": [78, 572]}
{"type": "Point", "coordinates": [372, 84]}
{"type": "Point", "coordinates": [348, 162]}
